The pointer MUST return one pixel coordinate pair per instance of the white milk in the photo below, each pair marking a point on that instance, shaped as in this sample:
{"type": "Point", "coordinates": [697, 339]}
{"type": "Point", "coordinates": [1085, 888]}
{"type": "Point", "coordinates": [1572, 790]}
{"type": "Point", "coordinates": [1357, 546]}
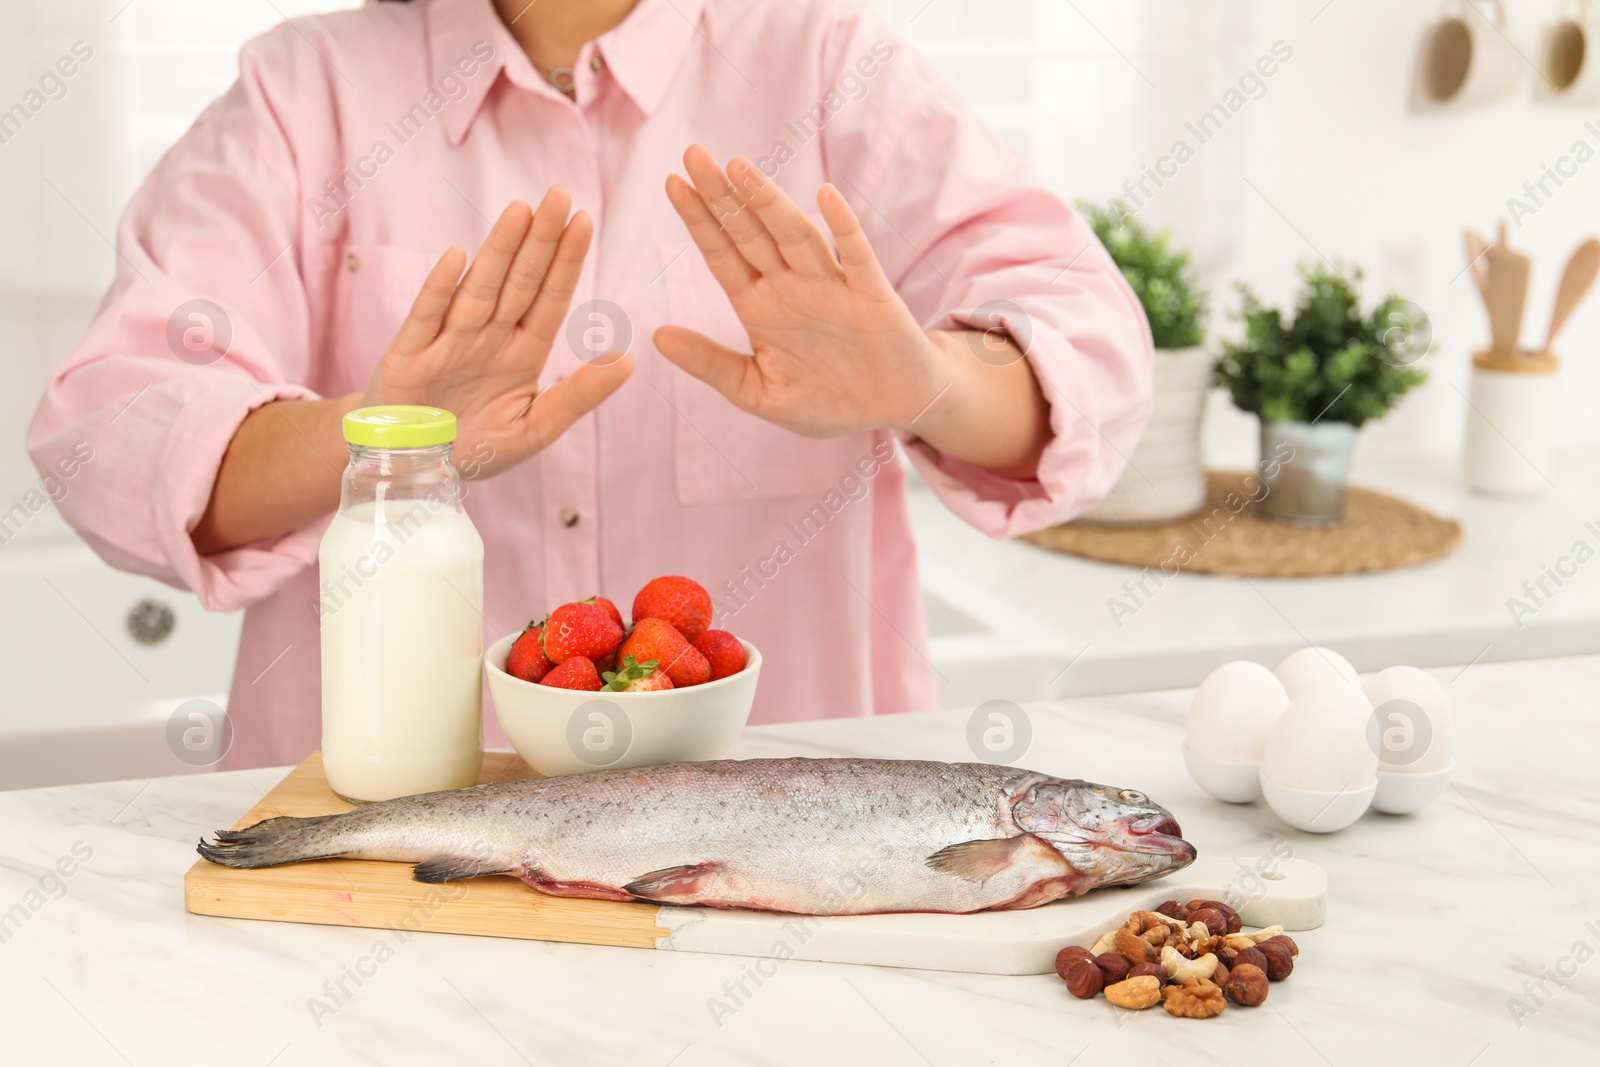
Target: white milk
{"type": "Point", "coordinates": [402, 649]}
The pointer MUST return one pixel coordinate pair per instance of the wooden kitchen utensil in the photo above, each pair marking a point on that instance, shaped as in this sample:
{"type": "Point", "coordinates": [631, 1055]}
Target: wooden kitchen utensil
{"type": "Point", "coordinates": [1476, 247]}
{"type": "Point", "coordinates": [380, 895]}
{"type": "Point", "coordinates": [1576, 279]}
{"type": "Point", "coordinates": [1508, 293]}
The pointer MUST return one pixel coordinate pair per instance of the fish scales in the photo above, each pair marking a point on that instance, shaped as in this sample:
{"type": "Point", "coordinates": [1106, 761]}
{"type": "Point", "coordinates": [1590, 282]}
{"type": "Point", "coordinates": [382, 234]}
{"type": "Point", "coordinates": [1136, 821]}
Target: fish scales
{"type": "Point", "coordinates": [813, 836]}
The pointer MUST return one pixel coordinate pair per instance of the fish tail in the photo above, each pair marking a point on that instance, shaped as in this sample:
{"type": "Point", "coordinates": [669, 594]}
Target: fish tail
{"type": "Point", "coordinates": [281, 840]}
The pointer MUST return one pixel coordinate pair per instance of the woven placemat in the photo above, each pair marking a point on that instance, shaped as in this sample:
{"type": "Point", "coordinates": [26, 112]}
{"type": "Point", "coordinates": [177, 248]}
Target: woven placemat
{"type": "Point", "coordinates": [1228, 535]}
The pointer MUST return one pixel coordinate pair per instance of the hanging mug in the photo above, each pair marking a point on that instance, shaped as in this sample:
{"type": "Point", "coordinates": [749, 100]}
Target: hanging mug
{"type": "Point", "coordinates": [1568, 59]}
{"type": "Point", "coordinates": [1466, 59]}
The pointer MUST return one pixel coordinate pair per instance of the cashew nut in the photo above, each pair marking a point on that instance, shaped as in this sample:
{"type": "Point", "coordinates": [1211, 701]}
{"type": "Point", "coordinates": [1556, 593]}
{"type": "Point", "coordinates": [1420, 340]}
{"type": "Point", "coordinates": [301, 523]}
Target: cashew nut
{"type": "Point", "coordinates": [1262, 935]}
{"type": "Point", "coordinates": [1198, 932]}
{"type": "Point", "coordinates": [1239, 942]}
{"type": "Point", "coordinates": [1178, 968]}
{"type": "Point", "coordinates": [1108, 942]}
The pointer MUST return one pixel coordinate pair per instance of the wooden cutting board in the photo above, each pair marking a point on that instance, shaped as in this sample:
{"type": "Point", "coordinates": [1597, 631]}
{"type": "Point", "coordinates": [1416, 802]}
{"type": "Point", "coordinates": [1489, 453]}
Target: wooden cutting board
{"type": "Point", "coordinates": [380, 895]}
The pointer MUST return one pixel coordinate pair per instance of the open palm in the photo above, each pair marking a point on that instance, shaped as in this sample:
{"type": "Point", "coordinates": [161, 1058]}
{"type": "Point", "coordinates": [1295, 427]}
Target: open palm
{"type": "Point", "coordinates": [478, 346]}
{"type": "Point", "coordinates": [834, 350]}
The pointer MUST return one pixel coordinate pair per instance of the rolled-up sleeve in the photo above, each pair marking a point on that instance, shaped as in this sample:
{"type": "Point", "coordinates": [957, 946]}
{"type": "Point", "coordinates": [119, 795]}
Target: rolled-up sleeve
{"type": "Point", "coordinates": [216, 222]}
{"type": "Point", "coordinates": [972, 238]}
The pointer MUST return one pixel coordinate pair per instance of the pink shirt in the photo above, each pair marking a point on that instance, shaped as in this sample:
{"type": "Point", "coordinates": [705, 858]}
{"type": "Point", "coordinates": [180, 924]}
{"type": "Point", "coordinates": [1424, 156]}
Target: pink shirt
{"type": "Point", "coordinates": [309, 202]}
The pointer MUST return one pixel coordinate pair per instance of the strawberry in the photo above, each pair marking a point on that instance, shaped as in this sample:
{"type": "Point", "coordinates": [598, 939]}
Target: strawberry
{"type": "Point", "coordinates": [680, 601]}
{"type": "Point", "coordinates": [636, 677]}
{"type": "Point", "coordinates": [657, 639]}
{"type": "Point", "coordinates": [527, 660]}
{"type": "Point", "coordinates": [722, 650]}
{"type": "Point", "coordinates": [574, 672]}
{"type": "Point", "coordinates": [580, 629]}
{"type": "Point", "coordinates": [608, 662]}
{"type": "Point", "coordinates": [609, 608]}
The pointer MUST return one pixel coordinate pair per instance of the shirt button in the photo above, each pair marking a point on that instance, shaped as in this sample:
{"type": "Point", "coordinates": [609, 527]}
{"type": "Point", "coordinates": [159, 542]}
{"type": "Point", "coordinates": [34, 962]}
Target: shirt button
{"type": "Point", "coordinates": [353, 261]}
{"type": "Point", "coordinates": [596, 62]}
{"type": "Point", "coordinates": [569, 516]}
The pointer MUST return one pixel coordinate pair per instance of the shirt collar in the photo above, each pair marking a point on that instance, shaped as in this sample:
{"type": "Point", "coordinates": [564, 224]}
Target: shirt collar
{"type": "Point", "coordinates": [643, 53]}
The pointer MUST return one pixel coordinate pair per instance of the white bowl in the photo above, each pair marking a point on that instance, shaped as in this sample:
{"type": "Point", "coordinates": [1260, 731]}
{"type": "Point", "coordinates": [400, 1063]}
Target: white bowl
{"type": "Point", "coordinates": [565, 731]}
{"type": "Point", "coordinates": [1314, 810]}
{"type": "Point", "coordinates": [1403, 792]}
{"type": "Point", "coordinates": [1236, 783]}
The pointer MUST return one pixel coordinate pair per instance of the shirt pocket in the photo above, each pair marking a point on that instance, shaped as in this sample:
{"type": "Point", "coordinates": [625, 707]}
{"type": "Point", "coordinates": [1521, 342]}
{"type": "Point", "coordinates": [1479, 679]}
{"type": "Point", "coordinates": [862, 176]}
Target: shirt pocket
{"type": "Point", "coordinates": [721, 453]}
{"type": "Point", "coordinates": [373, 288]}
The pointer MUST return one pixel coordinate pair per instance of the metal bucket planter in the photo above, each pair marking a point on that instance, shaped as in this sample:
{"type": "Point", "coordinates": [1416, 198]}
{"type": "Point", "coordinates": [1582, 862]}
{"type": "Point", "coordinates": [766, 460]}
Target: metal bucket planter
{"type": "Point", "coordinates": [1306, 468]}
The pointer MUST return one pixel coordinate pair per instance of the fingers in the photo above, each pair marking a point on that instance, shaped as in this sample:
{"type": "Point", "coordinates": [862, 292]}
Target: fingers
{"type": "Point", "coordinates": [532, 261]}
{"type": "Point", "coordinates": [555, 409]}
{"type": "Point", "coordinates": [728, 207]}
{"type": "Point", "coordinates": [798, 240]}
{"type": "Point", "coordinates": [549, 309]}
{"type": "Point", "coordinates": [479, 292]}
{"type": "Point", "coordinates": [730, 269]}
{"type": "Point", "coordinates": [733, 374]}
{"type": "Point", "coordinates": [861, 267]}
{"type": "Point", "coordinates": [428, 310]}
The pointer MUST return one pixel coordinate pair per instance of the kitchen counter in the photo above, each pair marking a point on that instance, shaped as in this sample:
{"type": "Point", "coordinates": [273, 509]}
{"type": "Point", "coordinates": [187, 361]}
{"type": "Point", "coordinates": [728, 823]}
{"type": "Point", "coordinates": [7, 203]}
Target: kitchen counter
{"type": "Point", "coordinates": [1047, 615]}
{"type": "Point", "coordinates": [1437, 924]}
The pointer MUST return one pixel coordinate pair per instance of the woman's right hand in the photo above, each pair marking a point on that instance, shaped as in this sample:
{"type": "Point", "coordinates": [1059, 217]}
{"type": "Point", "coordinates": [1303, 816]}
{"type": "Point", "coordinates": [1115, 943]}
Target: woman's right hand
{"type": "Point", "coordinates": [476, 345]}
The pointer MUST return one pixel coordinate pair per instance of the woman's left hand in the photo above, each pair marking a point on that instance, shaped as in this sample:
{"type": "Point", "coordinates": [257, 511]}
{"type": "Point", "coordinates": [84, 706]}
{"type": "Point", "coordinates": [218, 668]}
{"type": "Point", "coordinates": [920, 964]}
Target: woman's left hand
{"type": "Point", "coordinates": [835, 349]}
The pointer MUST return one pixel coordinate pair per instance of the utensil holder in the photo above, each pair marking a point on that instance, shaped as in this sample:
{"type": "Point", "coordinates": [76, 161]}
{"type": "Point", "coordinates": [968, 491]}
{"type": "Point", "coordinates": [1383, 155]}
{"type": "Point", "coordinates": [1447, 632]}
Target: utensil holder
{"type": "Point", "coordinates": [1512, 430]}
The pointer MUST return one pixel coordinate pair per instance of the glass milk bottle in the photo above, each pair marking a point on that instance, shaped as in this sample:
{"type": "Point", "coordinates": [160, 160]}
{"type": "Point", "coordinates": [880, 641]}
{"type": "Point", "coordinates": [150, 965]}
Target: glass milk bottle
{"type": "Point", "coordinates": [401, 613]}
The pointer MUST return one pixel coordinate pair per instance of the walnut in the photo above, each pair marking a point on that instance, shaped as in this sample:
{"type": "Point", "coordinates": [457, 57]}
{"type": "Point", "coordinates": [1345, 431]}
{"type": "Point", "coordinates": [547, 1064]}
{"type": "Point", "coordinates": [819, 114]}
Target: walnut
{"type": "Point", "coordinates": [1196, 998]}
{"type": "Point", "coordinates": [1213, 944]}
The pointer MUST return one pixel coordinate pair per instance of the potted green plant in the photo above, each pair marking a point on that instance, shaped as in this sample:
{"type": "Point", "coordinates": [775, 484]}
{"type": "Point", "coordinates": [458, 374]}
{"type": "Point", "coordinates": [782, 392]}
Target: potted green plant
{"type": "Point", "coordinates": [1165, 478]}
{"type": "Point", "coordinates": [1315, 379]}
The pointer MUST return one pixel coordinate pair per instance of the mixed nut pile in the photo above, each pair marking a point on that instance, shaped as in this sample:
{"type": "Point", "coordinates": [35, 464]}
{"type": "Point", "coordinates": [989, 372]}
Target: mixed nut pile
{"type": "Point", "coordinates": [1189, 958]}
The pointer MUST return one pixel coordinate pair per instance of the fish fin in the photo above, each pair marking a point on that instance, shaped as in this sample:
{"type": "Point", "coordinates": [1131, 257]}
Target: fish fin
{"type": "Point", "coordinates": [450, 868]}
{"type": "Point", "coordinates": [977, 861]}
{"type": "Point", "coordinates": [685, 880]}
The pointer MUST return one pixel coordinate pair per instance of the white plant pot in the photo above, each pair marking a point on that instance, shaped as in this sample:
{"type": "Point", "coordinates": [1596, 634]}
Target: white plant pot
{"type": "Point", "coordinates": [1165, 478]}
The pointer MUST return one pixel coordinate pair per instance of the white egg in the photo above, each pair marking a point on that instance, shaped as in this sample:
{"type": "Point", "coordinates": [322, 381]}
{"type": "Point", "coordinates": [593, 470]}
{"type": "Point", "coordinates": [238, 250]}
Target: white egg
{"type": "Point", "coordinates": [1413, 726]}
{"type": "Point", "coordinates": [1233, 711]}
{"type": "Point", "coordinates": [1312, 666]}
{"type": "Point", "coordinates": [1320, 742]}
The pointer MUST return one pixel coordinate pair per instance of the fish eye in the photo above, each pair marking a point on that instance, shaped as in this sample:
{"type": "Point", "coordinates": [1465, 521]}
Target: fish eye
{"type": "Point", "coordinates": [1133, 796]}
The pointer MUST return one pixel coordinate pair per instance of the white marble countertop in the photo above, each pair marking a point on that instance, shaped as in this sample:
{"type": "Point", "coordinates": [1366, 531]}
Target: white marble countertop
{"type": "Point", "coordinates": [1435, 923]}
{"type": "Point", "coordinates": [1451, 611]}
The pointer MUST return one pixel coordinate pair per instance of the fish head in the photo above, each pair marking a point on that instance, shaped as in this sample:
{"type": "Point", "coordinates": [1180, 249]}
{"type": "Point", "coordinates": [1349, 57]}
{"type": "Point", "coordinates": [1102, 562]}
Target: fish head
{"type": "Point", "coordinates": [1111, 836]}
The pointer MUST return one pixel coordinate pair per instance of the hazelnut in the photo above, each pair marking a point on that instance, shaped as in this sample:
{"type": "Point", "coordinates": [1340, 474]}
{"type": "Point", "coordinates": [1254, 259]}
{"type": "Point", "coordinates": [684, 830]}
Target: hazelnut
{"type": "Point", "coordinates": [1072, 952]}
{"type": "Point", "coordinates": [1148, 970]}
{"type": "Point", "coordinates": [1285, 939]}
{"type": "Point", "coordinates": [1136, 949]}
{"type": "Point", "coordinates": [1113, 966]}
{"type": "Point", "coordinates": [1280, 963]}
{"type": "Point", "coordinates": [1232, 926]}
{"type": "Point", "coordinates": [1173, 910]}
{"type": "Point", "coordinates": [1219, 976]}
{"type": "Point", "coordinates": [1083, 978]}
{"type": "Point", "coordinates": [1135, 994]}
{"type": "Point", "coordinates": [1252, 956]}
{"type": "Point", "coordinates": [1215, 921]}
{"type": "Point", "coordinates": [1246, 985]}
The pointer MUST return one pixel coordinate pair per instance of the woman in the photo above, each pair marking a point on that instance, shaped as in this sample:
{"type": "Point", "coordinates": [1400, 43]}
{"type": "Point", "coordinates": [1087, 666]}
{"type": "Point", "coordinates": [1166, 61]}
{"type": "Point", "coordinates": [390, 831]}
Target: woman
{"type": "Point", "coordinates": [282, 266]}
